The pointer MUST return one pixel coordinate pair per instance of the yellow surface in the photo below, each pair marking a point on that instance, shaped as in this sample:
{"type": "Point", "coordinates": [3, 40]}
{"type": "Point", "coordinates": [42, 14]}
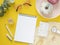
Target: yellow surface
{"type": "Point", "coordinates": [11, 13]}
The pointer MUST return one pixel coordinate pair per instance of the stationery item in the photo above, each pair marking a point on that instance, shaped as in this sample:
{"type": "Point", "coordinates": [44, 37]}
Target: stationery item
{"type": "Point", "coordinates": [10, 38]}
{"type": "Point", "coordinates": [43, 29]}
{"type": "Point", "coordinates": [19, 7]}
{"type": "Point", "coordinates": [25, 28]}
{"type": "Point", "coordinates": [58, 32]}
{"type": "Point", "coordinates": [55, 30]}
{"type": "Point", "coordinates": [9, 30]}
{"type": "Point", "coordinates": [27, 3]}
{"type": "Point", "coordinates": [55, 27]}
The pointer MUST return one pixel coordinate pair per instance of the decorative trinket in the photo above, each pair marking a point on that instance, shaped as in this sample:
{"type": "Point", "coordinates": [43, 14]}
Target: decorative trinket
{"type": "Point", "coordinates": [46, 8]}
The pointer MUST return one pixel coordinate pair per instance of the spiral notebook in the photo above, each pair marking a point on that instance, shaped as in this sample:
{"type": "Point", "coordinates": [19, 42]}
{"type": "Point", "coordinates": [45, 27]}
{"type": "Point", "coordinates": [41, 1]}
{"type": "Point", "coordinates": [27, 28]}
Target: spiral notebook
{"type": "Point", "coordinates": [25, 29]}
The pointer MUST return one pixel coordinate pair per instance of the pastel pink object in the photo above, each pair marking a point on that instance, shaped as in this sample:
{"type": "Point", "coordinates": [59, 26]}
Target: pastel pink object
{"type": "Point", "coordinates": [53, 1]}
{"type": "Point", "coordinates": [54, 14]}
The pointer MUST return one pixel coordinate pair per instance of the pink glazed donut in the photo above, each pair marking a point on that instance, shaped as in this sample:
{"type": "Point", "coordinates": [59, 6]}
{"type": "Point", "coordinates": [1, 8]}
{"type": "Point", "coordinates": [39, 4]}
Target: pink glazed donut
{"type": "Point", "coordinates": [53, 1]}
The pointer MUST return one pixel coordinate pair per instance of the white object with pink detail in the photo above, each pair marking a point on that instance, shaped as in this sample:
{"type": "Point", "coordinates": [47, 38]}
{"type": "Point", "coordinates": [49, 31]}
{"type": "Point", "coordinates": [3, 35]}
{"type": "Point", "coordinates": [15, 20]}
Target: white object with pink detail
{"type": "Point", "coordinates": [54, 9]}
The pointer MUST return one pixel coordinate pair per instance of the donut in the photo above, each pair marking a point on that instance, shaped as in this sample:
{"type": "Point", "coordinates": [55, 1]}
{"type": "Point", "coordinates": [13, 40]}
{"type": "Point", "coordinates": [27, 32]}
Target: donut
{"type": "Point", "coordinates": [53, 1]}
{"type": "Point", "coordinates": [46, 8]}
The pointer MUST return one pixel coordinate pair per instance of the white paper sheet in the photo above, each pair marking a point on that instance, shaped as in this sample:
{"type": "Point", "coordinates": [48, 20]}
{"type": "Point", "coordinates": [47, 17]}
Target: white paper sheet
{"type": "Point", "coordinates": [25, 29]}
{"type": "Point", "coordinates": [43, 29]}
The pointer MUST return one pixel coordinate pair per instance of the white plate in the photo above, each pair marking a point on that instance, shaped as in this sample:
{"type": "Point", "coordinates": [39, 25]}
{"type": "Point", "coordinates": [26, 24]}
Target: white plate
{"type": "Point", "coordinates": [56, 9]}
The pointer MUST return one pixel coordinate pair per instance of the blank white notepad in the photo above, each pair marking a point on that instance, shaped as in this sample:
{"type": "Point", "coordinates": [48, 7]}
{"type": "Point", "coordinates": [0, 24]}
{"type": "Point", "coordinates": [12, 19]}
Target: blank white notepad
{"type": "Point", "coordinates": [43, 29]}
{"type": "Point", "coordinates": [25, 29]}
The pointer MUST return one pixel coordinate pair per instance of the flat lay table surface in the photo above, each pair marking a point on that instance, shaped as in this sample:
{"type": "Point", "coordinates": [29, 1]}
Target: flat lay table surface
{"type": "Point", "coordinates": [11, 13]}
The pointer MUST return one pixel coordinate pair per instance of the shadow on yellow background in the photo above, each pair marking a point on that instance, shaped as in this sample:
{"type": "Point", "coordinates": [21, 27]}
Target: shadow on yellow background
{"type": "Point", "coordinates": [11, 13]}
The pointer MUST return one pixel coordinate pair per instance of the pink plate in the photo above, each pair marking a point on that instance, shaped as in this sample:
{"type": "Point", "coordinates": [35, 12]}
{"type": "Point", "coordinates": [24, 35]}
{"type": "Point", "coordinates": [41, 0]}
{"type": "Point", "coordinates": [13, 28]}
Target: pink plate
{"type": "Point", "coordinates": [56, 9]}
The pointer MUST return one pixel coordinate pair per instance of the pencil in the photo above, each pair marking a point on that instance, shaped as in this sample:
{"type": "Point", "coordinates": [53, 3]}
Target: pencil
{"type": "Point", "coordinates": [9, 30]}
{"type": "Point", "coordinates": [8, 37]}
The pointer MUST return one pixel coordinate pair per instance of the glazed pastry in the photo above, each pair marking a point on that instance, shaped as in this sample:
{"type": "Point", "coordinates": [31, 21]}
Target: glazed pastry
{"type": "Point", "coordinates": [46, 8]}
{"type": "Point", "coordinates": [53, 1]}
{"type": "Point", "coordinates": [54, 29]}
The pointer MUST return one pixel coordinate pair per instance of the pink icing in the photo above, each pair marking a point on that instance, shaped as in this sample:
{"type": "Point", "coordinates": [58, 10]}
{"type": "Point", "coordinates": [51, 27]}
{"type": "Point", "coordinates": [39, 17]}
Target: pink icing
{"type": "Point", "coordinates": [53, 1]}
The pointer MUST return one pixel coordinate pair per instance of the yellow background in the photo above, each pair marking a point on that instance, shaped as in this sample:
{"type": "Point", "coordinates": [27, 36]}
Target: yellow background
{"type": "Point", "coordinates": [11, 13]}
